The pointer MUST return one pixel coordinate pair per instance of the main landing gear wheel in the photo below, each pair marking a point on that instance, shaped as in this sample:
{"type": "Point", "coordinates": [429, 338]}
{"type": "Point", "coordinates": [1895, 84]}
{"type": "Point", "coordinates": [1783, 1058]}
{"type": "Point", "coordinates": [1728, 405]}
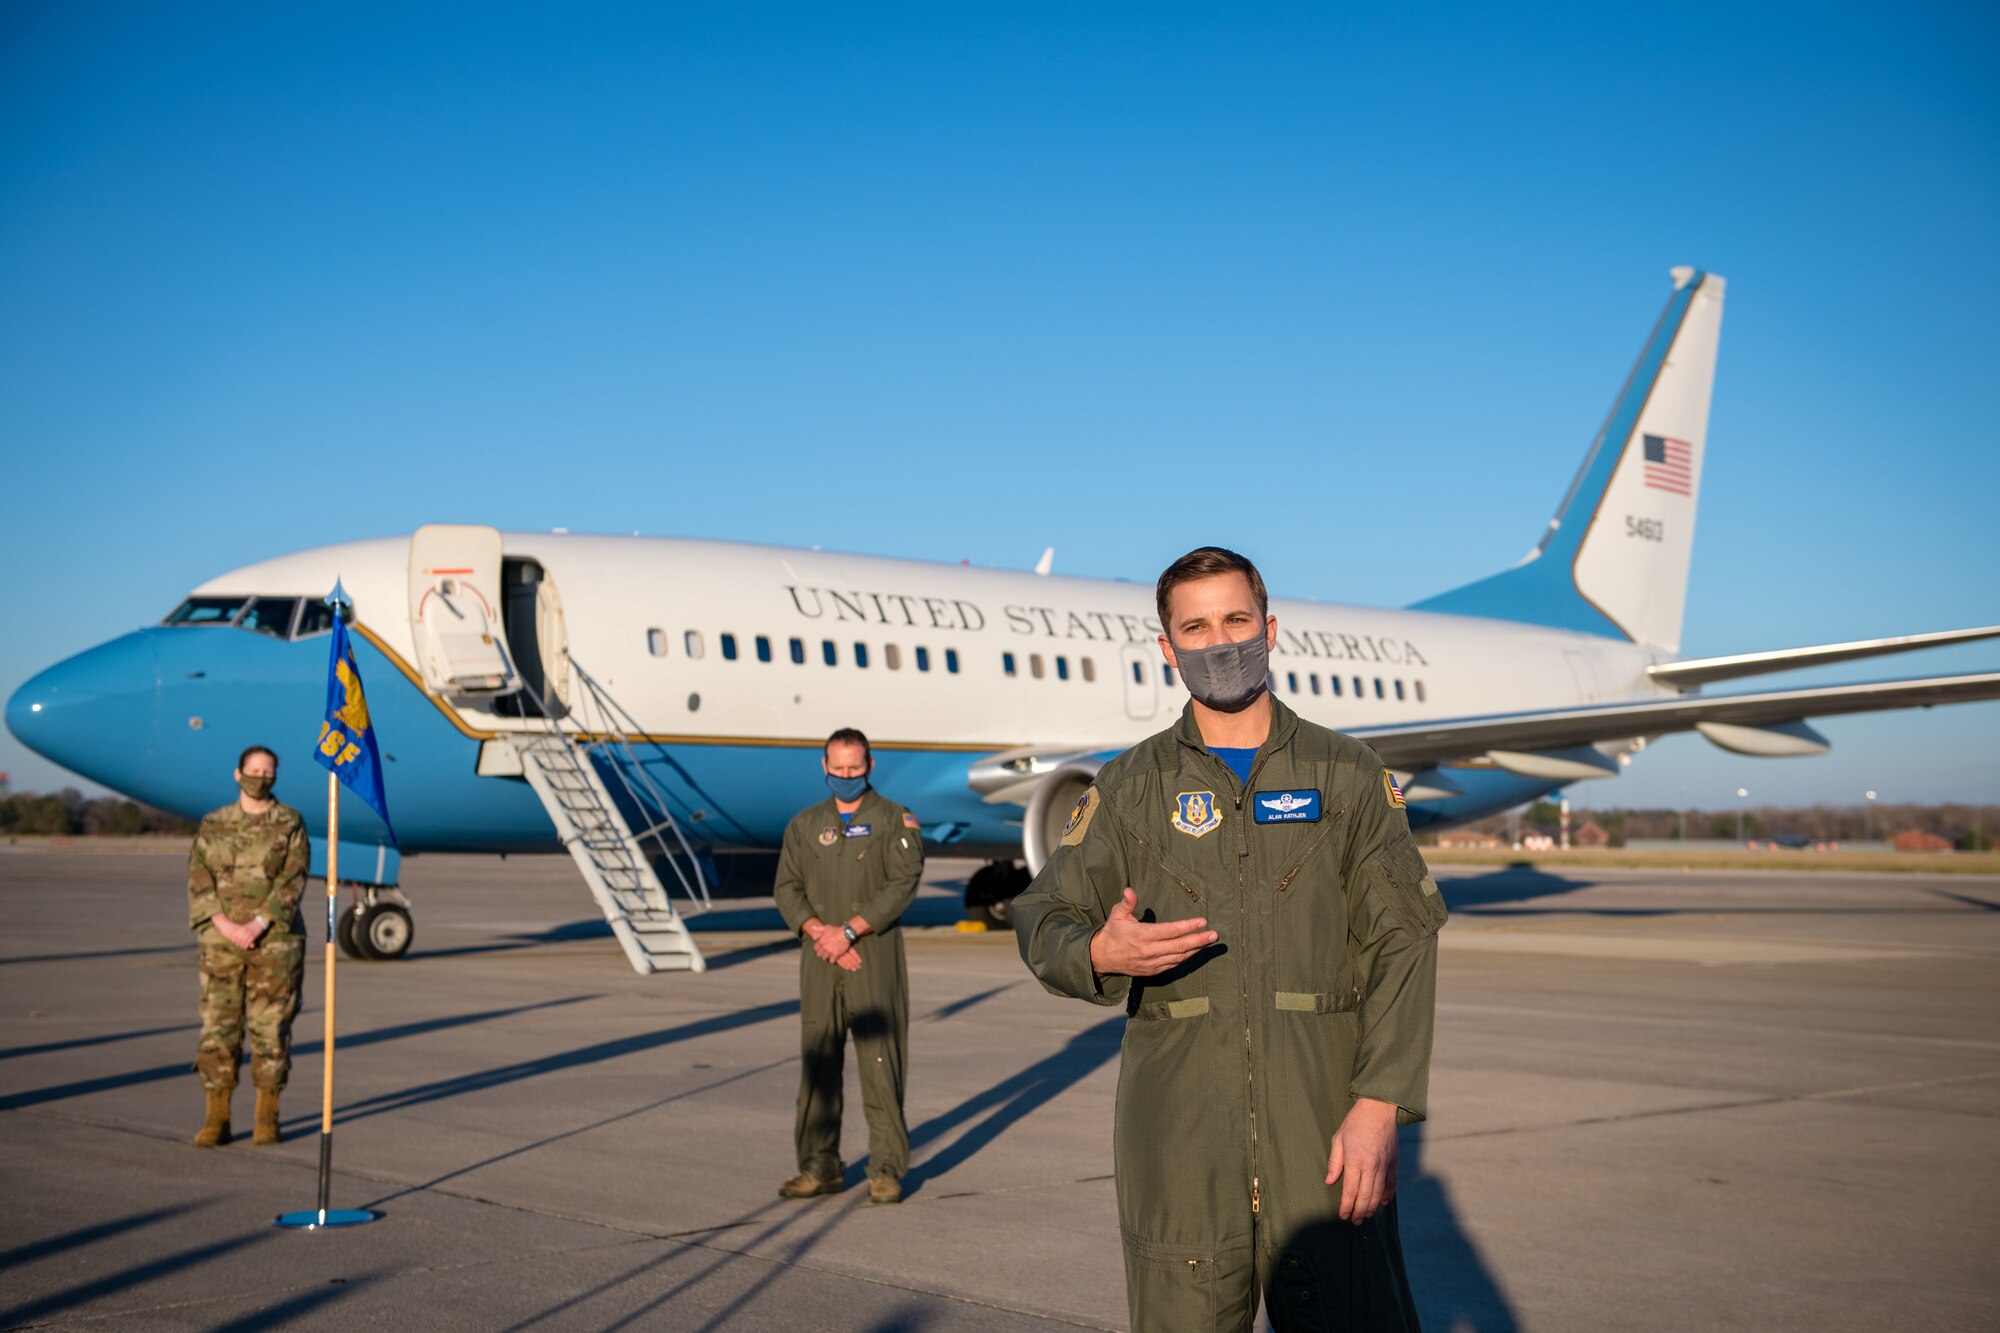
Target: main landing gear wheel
{"type": "Point", "coordinates": [989, 894]}
{"type": "Point", "coordinates": [345, 933]}
{"type": "Point", "coordinates": [376, 928]}
{"type": "Point", "coordinates": [384, 932]}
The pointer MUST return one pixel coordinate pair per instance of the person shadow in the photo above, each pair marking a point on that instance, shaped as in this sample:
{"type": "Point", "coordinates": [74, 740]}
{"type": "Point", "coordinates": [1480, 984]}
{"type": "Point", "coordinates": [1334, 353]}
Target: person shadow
{"type": "Point", "coordinates": [1336, 1275]}
{"type": "Point", "coordinates": [1456, 1291]}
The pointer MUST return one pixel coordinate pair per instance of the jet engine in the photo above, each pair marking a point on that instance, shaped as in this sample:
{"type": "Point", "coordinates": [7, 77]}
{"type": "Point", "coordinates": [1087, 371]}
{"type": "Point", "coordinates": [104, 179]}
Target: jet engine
{"type": "Point", "coordinates": [1050, 802]}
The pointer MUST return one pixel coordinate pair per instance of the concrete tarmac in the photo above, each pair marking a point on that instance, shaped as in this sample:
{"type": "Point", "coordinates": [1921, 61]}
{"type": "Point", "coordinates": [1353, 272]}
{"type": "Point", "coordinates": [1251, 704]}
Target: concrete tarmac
{"type": "Point", "coordinates": [1659, 1101]}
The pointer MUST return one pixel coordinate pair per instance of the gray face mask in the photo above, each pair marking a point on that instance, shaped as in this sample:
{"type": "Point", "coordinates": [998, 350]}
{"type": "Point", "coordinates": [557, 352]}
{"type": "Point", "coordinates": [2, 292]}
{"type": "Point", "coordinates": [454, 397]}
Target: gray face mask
{"type": "Point", "coordinates": [1229, 676]}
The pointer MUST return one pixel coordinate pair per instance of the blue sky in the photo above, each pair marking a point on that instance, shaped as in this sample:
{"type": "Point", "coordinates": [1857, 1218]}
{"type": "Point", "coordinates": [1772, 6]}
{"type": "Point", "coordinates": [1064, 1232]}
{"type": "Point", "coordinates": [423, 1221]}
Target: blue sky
{"type": "Point", "coordinates": [1346, 291]}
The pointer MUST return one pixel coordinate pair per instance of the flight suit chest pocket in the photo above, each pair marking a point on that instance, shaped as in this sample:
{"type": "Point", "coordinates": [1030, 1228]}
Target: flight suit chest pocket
{"type": "Point", "coordinates": [1169, 882]}
{"type": "Point", "coordinates": [1308, 905]}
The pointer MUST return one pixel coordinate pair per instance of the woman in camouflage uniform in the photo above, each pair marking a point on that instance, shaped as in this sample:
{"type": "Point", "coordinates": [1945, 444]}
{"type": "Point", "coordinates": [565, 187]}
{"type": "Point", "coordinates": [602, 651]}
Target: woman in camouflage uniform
{"type": "Point", "coordinates": [245, 876]}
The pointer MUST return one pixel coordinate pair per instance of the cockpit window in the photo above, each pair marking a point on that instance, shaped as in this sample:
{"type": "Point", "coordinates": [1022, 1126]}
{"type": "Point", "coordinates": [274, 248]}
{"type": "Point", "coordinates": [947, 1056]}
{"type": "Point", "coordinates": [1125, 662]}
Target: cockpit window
{"type": "Point", "coordinates": [316, 618]}
{"type": "Point", "coordinates": [206, 611]}
{"type": "Point", "coordinates": [270, 615]}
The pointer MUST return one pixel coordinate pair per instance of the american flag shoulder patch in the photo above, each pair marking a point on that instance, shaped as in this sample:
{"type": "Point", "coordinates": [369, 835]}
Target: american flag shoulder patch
{"type": "Point", "coordinates": [1390, 789]}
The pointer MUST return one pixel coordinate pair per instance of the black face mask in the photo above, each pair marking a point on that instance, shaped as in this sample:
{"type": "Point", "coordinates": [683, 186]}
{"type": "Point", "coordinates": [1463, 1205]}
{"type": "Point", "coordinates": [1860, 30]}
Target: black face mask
{"type": "Point", "coordinates": [1227, 677]}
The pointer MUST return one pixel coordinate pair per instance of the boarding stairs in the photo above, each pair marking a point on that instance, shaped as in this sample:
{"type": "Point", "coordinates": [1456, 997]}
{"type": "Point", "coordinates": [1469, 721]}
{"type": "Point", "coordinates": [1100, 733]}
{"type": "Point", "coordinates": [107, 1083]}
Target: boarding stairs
{"type": "Point", "coordinates": [620, 864]}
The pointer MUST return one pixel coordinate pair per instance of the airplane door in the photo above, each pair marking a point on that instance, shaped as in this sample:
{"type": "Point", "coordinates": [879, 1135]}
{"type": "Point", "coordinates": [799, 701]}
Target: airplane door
{"type": "Point", "coordinates": [1142, 681]}
{"type": "Point", "coordinates": [455, 610]}
{"type": "Point", "coordinates": [537, 638]}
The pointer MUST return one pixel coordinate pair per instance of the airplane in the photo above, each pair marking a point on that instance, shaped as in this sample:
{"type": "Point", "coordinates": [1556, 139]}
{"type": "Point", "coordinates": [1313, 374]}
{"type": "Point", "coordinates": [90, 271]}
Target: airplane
{"type": "Point", "coordinates": [652, 703]}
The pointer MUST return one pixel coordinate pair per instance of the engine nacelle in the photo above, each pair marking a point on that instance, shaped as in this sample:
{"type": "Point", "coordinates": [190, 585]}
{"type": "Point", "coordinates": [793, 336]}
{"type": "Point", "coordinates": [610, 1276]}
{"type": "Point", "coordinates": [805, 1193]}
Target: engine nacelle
{"type": "Point", "coordinates": [1049, 806]}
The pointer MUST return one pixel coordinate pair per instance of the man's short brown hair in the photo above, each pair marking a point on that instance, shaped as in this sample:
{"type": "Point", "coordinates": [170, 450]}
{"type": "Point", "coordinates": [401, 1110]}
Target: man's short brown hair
{"type": "Point", "coordinates": [850, 736]}
{"type": "Point", "coordinates": [244, 758]}
{"type": "Point", "coordinates": [1205, 562]}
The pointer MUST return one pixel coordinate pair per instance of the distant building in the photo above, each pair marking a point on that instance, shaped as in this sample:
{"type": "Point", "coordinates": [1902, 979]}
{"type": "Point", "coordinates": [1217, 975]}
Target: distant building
{"type": "Point", "coordinates": [1467, 837]}
{"type": "Point", "coordinates": [1916, 840]}
{"type": "Point", "coordinates": [1592, 834]}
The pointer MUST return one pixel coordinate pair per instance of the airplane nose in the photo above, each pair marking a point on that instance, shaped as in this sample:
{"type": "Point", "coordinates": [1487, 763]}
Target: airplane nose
{"type": "Point", "coordinates": [94, 713]}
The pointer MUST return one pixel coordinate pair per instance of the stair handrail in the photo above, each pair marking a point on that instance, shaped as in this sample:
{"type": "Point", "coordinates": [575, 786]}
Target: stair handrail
{"type": "Point", "coordinates": [695, 889]}
{"type": "Point", "coordinates": [613, 733]}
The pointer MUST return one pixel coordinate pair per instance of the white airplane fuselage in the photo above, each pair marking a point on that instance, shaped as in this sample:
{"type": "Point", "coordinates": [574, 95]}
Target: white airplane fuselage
{"type": "Point", "coordinates": [656, 621]}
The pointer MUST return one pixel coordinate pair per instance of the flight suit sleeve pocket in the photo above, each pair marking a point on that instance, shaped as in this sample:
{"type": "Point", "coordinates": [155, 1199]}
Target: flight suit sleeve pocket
{"type": "Point", "coordinates": [1408, 889]}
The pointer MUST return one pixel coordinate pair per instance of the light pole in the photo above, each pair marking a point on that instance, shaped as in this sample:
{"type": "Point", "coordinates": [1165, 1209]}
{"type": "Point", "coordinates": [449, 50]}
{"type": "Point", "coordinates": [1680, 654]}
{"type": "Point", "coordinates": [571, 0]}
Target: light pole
{"type": "Point", "coordinates": [1868, 817]}
{"type": "Point", "coordinates": [1743, 794]}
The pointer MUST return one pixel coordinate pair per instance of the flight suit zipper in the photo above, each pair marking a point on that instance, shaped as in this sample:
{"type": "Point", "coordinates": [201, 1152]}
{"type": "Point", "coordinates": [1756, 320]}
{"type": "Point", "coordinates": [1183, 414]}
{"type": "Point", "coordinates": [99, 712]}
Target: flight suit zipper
{"type": "Point", "coordinates": [1243, 908]}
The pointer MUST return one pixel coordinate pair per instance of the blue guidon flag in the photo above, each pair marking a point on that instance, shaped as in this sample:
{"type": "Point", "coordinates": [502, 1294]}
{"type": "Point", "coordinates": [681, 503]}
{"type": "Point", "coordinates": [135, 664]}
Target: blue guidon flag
{"type": "Point", "coordinates": [346, 745]}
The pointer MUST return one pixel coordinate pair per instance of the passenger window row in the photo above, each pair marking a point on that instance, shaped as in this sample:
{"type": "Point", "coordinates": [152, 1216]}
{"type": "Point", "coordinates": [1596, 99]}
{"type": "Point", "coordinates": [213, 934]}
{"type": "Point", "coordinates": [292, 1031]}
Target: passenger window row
{"type": "Point", "coordinates": [1010, 665]}
{"type": "Point", "coordinates": [694, 645]}
{"type": "Point", "coordinates": [1336, 686]}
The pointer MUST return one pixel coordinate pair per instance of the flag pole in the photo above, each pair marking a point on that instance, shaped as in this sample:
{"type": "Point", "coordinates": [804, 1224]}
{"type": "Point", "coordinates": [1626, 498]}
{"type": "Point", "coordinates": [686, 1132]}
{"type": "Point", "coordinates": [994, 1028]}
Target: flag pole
{"type": "Point", "coordinates": [332, 905]}
{"type": "Point", "coordinates": [314, 1219]}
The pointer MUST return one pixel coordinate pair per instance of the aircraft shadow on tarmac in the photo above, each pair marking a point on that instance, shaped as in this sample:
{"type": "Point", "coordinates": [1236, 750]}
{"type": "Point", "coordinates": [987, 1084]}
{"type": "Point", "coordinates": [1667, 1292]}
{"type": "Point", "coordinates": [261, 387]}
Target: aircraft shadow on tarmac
{"type": "Point", "coordinates": [111, 1284]}
{"type": "Point", "coordinates": [134, 1077]}
{"type": "Point", "coordinates": [479, 1080]}
{"type": "Point", "coordinates": [1518, 883]}
{"type": "Point", "coordinates": [93, 953]}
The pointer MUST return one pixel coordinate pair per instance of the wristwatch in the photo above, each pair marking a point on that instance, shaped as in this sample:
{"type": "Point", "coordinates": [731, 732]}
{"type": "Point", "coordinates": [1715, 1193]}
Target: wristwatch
{"type": "Point", "coordinates": [848, 930]}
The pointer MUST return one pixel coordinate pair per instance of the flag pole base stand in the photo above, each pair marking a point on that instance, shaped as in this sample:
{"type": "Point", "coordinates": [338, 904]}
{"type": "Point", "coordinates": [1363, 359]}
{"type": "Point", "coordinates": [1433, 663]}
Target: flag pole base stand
{"type": "Point", "coordinates": [317, 1219]}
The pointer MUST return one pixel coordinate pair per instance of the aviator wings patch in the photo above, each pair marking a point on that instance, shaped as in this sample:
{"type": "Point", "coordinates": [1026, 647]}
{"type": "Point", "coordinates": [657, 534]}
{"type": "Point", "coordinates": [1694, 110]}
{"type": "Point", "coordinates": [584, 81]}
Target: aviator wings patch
{"type": "Point", "coordinates": [1287, 807]}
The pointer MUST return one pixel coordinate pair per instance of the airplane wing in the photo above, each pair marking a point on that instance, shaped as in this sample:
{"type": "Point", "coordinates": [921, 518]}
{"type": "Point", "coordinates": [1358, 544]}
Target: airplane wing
{"type": "Point", "coordinates": [1422, 745]}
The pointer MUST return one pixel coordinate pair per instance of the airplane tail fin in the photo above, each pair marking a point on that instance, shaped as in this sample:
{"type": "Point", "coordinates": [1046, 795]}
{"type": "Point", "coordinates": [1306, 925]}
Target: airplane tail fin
{"type": "Point", "coordinates": [1614, 560]}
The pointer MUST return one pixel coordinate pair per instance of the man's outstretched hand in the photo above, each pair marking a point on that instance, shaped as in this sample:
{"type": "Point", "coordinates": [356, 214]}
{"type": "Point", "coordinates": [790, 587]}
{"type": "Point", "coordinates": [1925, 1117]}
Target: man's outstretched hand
{"type": "Point", "coordinates": [1125, 946]}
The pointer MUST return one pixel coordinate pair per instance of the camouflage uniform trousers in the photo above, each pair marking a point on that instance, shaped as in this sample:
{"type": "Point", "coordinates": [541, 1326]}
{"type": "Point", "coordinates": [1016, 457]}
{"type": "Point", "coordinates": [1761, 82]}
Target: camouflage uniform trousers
{"type": "Point", "coordinates": [253, 991]}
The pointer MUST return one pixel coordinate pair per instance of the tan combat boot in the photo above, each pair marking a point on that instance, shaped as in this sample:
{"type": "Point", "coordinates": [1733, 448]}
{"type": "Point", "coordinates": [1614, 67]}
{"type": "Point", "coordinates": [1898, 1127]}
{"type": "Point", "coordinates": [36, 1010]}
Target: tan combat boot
{"type": "Point", "coordinates": [266, 1130]}
{"type": "Point", "coordinates": [885, 1189]}
{"type": "Point", "coordinates": [805, 1185]}
{"type": "Point", "coordinates": [215, 1130]}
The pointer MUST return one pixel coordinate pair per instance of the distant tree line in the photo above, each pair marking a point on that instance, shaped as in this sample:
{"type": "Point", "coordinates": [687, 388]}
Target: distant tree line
{"type": "Point", "coordinates": [69, 813]}
{"type": "Point", "coordinates": [1967, 827]}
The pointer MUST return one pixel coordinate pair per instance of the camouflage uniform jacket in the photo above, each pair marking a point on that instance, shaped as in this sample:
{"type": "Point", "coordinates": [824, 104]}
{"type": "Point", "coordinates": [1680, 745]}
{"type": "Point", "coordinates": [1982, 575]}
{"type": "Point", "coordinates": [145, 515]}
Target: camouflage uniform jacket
{"type": "Point", "coordinates": [1238, 1066]}
{"type": "Point", "coordinates": [244, 866]}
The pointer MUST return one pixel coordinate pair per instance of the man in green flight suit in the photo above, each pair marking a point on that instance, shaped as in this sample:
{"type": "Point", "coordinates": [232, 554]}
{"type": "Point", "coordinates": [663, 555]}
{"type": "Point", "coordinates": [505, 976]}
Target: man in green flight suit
{"type": "Point", "coordinates": [1245, 884]}
{"type": "Point", "coordinates": [849, 868]}
{"type": "Point", "coordinates": [245, 875]}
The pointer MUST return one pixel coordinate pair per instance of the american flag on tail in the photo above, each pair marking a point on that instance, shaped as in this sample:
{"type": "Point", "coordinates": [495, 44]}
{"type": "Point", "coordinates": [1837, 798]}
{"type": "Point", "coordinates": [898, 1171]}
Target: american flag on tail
{"type": "Point", "coordinates": [1669, 465]}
